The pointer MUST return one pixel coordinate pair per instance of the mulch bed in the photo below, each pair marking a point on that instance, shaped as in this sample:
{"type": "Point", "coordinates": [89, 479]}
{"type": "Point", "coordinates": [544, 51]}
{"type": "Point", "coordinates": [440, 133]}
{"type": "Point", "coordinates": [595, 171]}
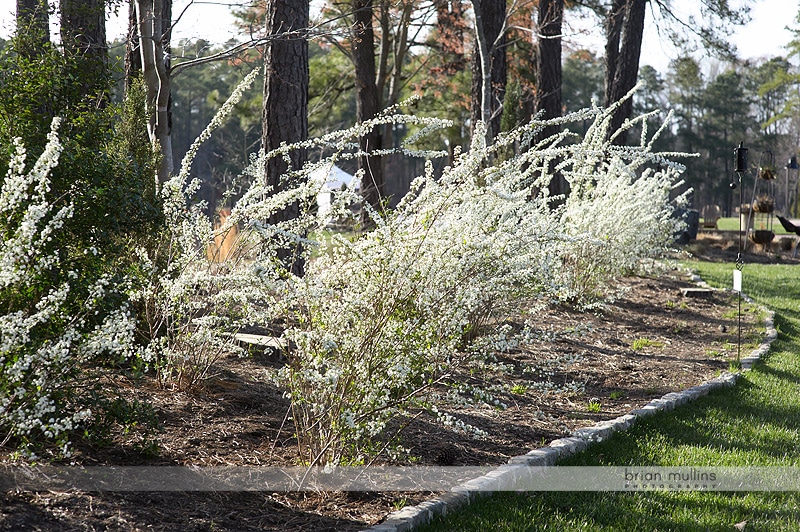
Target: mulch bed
{"type": "Point", "coordinates": [650, 341]}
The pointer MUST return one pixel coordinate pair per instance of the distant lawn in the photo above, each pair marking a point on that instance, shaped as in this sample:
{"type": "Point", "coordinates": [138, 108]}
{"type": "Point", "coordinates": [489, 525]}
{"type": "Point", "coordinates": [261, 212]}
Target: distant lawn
{"type": "Point", "coordinates": [732, 224]}
{"type": "Point", "coordinates": [755, 423]}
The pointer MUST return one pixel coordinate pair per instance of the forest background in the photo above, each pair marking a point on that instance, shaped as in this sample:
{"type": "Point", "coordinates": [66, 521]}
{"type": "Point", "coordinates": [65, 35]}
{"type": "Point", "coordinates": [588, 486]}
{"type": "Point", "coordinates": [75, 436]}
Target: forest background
{"type": "Point", "coordinates": [718, 97]}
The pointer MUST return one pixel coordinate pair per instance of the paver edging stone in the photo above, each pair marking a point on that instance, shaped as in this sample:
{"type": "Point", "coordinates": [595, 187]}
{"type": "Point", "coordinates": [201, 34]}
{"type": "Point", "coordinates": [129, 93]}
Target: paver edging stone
{"type": "Point", "coordinates": [411, 517]}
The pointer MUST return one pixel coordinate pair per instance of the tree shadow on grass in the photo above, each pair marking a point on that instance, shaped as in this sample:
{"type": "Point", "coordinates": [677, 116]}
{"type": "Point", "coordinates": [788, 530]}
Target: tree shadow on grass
{"type": "Point", "coordinates": [719, 425]}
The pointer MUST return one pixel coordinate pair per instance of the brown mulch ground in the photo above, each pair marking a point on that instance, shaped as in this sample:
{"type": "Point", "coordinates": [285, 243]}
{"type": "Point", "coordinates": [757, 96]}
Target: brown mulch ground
{"type": "Point", "coordinates": [650, 341]}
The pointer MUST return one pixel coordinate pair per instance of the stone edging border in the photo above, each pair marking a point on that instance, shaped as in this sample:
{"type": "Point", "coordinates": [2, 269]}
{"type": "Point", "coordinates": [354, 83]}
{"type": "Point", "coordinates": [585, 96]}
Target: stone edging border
{"type": "Point", "coordinates": [508, 475]}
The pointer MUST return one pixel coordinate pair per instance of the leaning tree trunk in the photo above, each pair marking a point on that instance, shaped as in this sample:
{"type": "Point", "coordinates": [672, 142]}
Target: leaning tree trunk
{"type": "Point", "coordinates": [489, 65]}
{"type": "Point", "coordinates": [373, 188]}
{"type": "Point", "coordinates": [153, 29]}
{"type": "Point", "coordinates": [547, 97]}
{"type": "Point", "coordinates": [285, 111]}
{"type": "Point", "coordinates": [624, 33]}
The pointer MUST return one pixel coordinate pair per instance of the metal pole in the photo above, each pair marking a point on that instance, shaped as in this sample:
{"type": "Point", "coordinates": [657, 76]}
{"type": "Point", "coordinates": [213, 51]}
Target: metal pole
{"type": "Point", "coordinates": [740, 266]}
{"type": "Point", "coordinates": [740, 157]}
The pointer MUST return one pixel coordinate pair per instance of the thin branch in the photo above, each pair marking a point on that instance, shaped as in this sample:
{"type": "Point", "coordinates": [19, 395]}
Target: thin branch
{"type": "Point", "coordinates": [314, 31]}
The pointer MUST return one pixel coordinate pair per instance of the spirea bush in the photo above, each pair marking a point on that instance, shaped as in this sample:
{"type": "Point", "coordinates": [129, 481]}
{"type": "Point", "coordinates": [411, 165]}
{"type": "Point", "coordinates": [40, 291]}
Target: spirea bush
{"type": "Point", "coordinates": [189, 306]}
{"type": "Point", "coordinates": [192, 304]}
{"type": "Point", "coordinates": [381, 320]}
{"type": "Point", "coordinates": [53, 322]}
{"type": "Point", "coordinates": [378, 321]}
{"type": "Point", "coordinates": [618, 211]}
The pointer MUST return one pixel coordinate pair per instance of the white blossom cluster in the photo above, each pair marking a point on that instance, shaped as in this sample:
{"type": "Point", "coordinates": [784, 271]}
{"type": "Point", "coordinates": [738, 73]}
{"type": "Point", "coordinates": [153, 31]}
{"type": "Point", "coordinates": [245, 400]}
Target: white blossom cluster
{"type": "Point", "coordinates": [475, 395]}
{"type": "Point", "coordinates": [24, 205]}
{"type": "Point", "coordinates": [501, 340]}
{"type": "Point", "coordinates": [459, 426]}
{"type": "Point", "coordinates": [569, 389]}
{"type": "Point", "coordinates": [547, 369]}
{"type": "Point", "coordinates": [44, 345]}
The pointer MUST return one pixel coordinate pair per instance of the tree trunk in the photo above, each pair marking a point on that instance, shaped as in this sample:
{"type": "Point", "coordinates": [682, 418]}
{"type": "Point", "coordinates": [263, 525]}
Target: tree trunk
{"type": "Point", "coordinates": [624, 33]}
{"type": "Point", "coordinates": [153, 29]}
{"type": "Point", "coordinates": [489, 70]}
{"type": "Point", "coordinates": [32, 21]}
{"type": "Point", "coordinates": [83, 29]}
{"type": "Point", "coordinates": [133, 53]}
{"type": "Point", "coordinates": [83, 36]}
{"type": "Point", "coordinates": [373, 188]}
{"type": "Point", "coordinates": [613, 27]}
{"type": "Point", "coordinates": [285, 112]}
{"type": "Point", "coordinates": [548, 76]}
{"type": "Point", "coordinates": [548, 60]}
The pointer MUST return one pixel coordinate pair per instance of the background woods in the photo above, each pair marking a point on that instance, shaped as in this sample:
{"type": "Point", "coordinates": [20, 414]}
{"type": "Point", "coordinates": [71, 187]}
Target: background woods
{"type": "Point", "coordinates": [433, 50]}
{"type": "Point", "coordinates": [365, 58]}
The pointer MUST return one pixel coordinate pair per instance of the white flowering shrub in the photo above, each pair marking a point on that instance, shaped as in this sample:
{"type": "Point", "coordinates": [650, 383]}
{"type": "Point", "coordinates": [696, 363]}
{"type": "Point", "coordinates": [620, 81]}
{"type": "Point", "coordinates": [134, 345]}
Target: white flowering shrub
{"type": "Point", "coordinates": [618, 211]}
{"type": "Point", "coordinates": [379, 321]}
{"type": "Point", "coordinates": [52, 322]}
{"type": "Point", "coordinates": [189, 307]}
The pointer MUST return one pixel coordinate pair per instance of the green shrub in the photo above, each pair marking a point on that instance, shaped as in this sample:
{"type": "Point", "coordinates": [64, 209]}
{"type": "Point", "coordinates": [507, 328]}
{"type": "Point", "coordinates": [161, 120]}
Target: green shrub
{"type": "Point", "coordinates": [67, 223]}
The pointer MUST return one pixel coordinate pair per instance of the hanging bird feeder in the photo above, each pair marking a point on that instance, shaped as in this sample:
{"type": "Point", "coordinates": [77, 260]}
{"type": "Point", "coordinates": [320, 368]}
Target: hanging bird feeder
{"type": "Point", "coordinates": [762, 206]}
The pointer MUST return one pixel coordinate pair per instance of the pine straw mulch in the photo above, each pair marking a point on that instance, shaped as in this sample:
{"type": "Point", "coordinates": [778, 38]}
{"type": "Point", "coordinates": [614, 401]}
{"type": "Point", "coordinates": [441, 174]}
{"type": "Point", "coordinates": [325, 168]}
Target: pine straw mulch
{"type": "Point", "coordinates": [239, 417]}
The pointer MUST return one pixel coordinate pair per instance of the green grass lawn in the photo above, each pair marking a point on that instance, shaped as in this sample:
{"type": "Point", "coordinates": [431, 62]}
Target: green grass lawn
{"type": "Point", "coordinates": [755, 423]}
{"type": "Point", "coordinates": [732, 224]}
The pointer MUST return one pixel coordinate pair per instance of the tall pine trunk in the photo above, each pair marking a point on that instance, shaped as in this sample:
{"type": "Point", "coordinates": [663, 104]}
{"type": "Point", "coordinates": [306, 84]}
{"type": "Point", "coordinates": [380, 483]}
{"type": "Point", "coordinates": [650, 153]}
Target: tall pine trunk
{"type": "Point", "coordinates": [624, 33]}
{"type": "Point", "coordinates": [285, 111]}
{"type": "Point", "coordinates": [83, 28]}
{"type": "Point", "coordinates": [373, 187]}
{"type": "Point", "coordinates": [549, 76]}
{"type": "Point", "coordinates": [32, 22]}
{"type": "Point", "coordinates": [83, 36]}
